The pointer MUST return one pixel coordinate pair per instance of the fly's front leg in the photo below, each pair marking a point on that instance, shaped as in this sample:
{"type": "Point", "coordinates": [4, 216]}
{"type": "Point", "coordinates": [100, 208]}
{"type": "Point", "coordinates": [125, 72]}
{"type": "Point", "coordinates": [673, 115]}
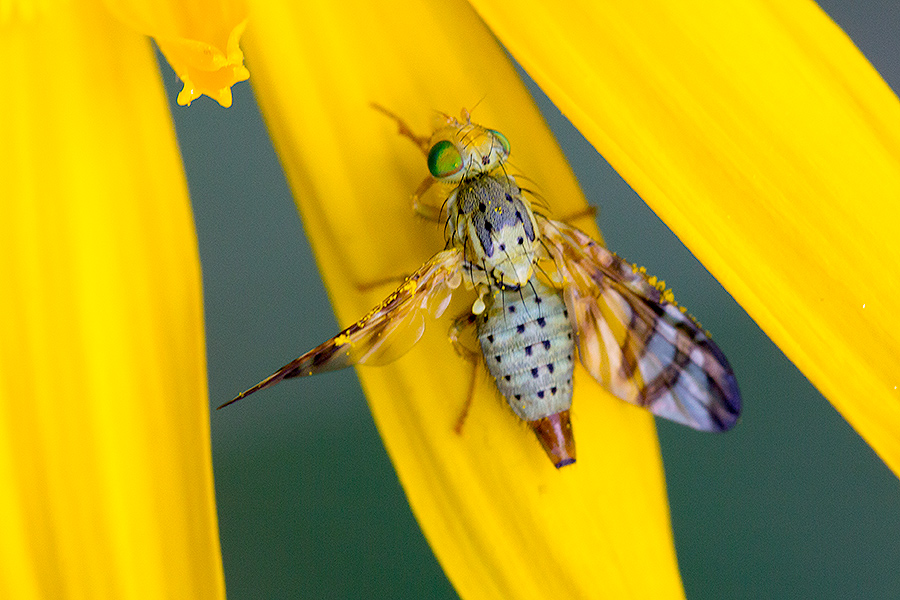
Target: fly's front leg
{"type": "Point", "coordinates": [425, 210]}
{"type": "Point", "coordinates": [421, 208]}
{"type": "Point", "coordinates": [421, 141]}
{"type": "Point", "coordinates": [460, 324]}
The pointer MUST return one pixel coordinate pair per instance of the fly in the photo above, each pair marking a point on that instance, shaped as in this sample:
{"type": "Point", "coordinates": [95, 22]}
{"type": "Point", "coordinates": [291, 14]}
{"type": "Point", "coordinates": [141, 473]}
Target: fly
{"type": "Point", "coordinates": [545, 294]}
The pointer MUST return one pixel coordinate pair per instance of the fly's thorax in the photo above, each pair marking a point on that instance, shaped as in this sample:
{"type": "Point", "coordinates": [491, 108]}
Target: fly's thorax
{"type": "Point", "coordinates": [528, 347]}
{"type": "Point", "coordinates": [495, 224]}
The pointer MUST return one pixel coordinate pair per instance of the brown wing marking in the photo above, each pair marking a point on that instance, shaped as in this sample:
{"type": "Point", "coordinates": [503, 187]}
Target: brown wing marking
{"type": "Point", "coordinates": [389, 330]}
{"type": "Point", "coordinates": [635, 340]}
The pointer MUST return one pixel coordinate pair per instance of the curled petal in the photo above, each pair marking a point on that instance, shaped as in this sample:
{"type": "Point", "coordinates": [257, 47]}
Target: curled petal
{"type": "Point", "coordinates": [200, 40]}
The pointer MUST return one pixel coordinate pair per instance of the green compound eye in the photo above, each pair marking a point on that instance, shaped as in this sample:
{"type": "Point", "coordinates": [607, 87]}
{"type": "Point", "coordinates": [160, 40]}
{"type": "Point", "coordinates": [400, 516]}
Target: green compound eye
{"type": "Point", "coordinates": [444, 159]}
{"type": "Point", "coordinates": [504, 143]}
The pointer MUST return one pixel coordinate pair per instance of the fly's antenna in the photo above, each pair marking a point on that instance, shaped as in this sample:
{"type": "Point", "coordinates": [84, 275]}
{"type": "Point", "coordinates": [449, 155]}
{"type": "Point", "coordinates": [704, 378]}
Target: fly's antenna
{"type": "Point", "coordinates": [466, 114]}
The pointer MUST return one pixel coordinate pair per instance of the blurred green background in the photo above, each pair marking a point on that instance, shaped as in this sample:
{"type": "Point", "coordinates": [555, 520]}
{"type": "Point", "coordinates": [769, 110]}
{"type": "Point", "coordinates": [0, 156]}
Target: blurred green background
{"type": "Point", "coordinates": [791, 504]}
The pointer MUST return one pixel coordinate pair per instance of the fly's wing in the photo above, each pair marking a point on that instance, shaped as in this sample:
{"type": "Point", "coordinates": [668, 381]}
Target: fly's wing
{"type": "Point", "coordinates": [388, 331]}
{"type": "Point", "coordinates": [635, 340]}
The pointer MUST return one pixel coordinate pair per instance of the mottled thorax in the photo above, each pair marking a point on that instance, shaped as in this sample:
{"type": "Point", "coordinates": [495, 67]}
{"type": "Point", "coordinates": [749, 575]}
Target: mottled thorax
{"type": "Point", "coordinates": [496, 224]}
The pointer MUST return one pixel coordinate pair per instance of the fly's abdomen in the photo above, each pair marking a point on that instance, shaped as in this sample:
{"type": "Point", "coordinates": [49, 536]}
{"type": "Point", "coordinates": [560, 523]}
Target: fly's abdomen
{"type": "Point", "coordinates": [527, 343]}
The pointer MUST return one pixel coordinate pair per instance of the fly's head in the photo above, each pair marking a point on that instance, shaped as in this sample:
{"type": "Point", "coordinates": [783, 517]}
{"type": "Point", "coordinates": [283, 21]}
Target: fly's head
{"type": "Point", "coordinates": [462, 150]}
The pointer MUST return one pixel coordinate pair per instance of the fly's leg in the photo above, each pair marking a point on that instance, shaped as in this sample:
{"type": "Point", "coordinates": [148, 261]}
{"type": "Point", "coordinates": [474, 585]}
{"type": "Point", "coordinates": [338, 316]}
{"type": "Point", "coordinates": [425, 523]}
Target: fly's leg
{"type": "Point", "coordinates": [427, 211]}
{"type": "Point", "coordinates": [424, 210]}
{"type": "Point", "coordinates": [459, 325]}
{"type": "Point", "coordinates": [541, 208]}
{"type": "Point", "coordinates": [461, 419]}
{"type": "Point", "coordinates": [393, 280]}
{"type": "Point", "coordinates": [589, 212]}
{"type": "Point", "coordinates": [421, 141]}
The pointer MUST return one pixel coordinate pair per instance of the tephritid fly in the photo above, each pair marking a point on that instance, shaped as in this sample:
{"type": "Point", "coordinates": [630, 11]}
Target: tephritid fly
{"type": "Point", "coordinates": [544, 293]}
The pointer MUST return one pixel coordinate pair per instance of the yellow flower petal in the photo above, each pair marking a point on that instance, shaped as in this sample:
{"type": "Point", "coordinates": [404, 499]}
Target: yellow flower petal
{"type": "Point", "coordinates": [765, 140]}
{"type": "Point", "coordinates": [501, 520]}
{"type": "Point", "coordinates": [201, 40]}
{"type": "Point", "coordinates": [105, 470]}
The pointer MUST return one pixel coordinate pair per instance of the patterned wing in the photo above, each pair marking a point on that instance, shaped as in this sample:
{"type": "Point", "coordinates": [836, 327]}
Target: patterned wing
{"type": "Point", "coordinates": [388, 331]}
{"type": "Point", "coordinates": [635, 340]}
